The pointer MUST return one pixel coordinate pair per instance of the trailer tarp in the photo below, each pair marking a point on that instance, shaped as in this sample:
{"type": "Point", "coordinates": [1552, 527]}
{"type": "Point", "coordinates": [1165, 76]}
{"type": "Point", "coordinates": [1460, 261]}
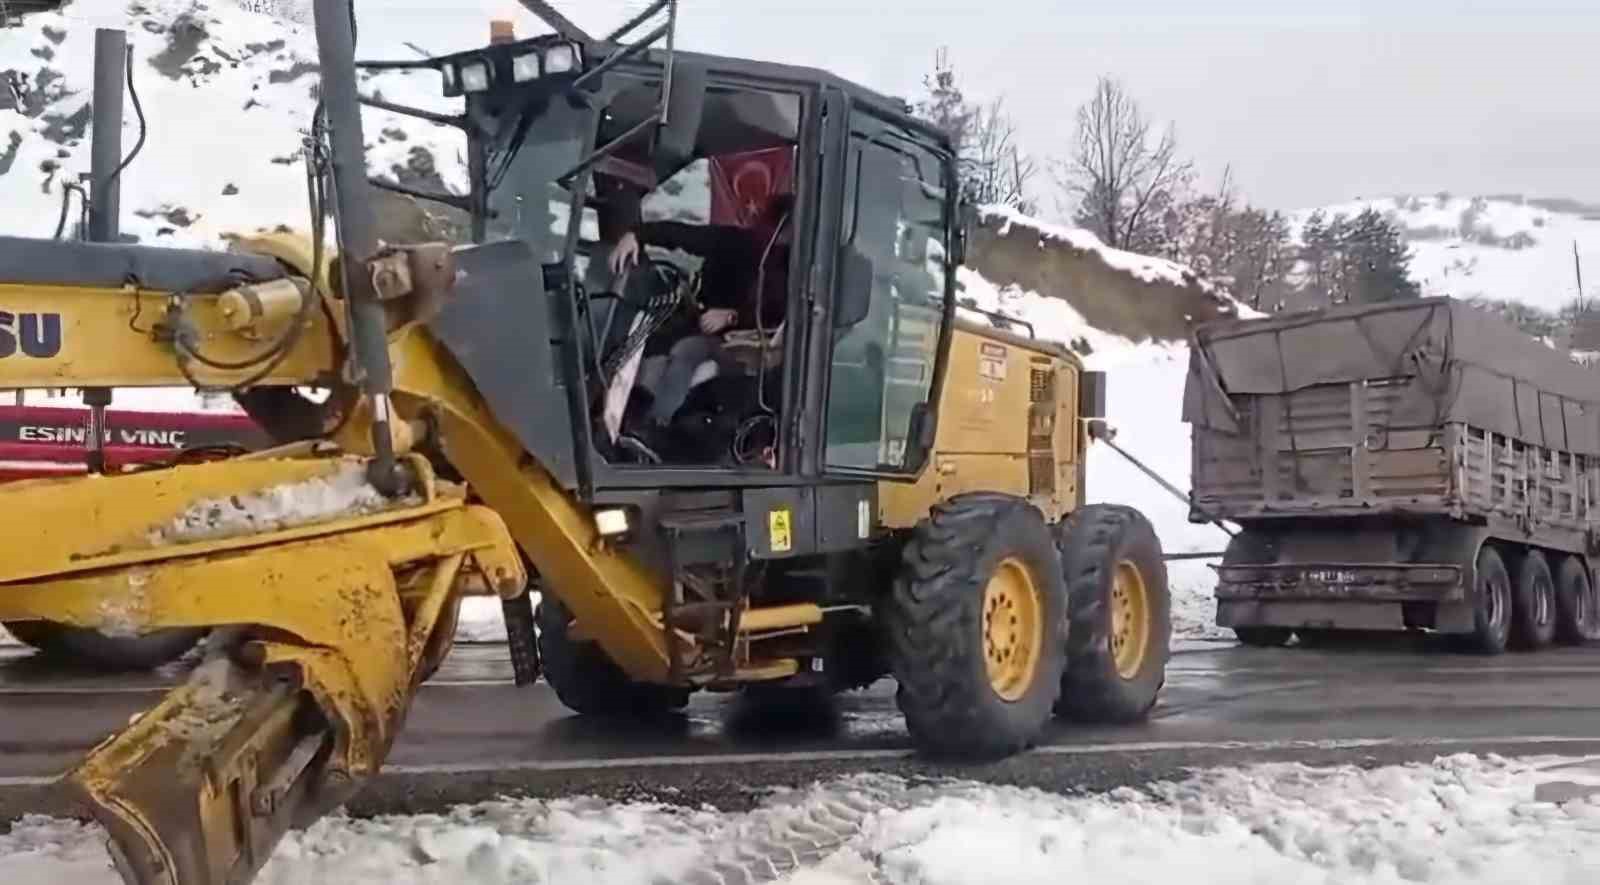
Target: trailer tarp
{"type": "Point", "coordinates": [1457, 362]}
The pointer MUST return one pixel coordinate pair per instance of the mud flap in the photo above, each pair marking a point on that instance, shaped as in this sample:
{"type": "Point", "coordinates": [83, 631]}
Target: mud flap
{"type": "Point", "coordinates": [200, 788]}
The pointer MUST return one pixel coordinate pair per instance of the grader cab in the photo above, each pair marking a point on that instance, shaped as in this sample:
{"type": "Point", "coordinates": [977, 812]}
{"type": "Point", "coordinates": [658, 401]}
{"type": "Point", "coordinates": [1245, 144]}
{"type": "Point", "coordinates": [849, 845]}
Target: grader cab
{"type": "Point", "coordinates": [840, 480]}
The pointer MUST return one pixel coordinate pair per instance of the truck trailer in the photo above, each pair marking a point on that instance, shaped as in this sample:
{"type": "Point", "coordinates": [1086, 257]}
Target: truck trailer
{"type": "Point", "coordinates": [1420, 465]}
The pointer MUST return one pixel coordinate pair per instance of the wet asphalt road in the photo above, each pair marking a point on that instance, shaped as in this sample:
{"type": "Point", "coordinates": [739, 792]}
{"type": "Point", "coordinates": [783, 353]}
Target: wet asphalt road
{"type": "Point", "coordinates": [472, 735]}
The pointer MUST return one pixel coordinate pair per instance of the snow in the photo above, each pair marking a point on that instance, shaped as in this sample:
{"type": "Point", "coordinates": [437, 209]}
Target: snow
{"type": "Point", "coordinates": [1461, 820]}
{"type": "Point", "coordinates": [1143, 267]}
{"type": "Point", "coordinates": [1497, 247]}
{"type": "Point", "coordinates": [343, 492]}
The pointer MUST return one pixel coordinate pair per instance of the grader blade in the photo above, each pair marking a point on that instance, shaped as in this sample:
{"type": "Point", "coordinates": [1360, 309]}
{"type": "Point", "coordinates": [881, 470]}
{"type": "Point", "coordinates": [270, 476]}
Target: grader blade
{"type": "Point", "coordinates": [202, 787]}
{"type": "Point", "coordinates": [325, 622]}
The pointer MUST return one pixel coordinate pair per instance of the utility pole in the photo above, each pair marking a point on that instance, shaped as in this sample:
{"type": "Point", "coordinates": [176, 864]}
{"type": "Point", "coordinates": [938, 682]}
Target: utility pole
{"type": "Point", "coordinates": [1577, 266]}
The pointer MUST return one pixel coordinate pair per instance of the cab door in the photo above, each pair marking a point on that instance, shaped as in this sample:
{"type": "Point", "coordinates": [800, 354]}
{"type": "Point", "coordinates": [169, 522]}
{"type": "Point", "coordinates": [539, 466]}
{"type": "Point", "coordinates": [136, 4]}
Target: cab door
{"type": "Point", "coordinates": [893, 288]}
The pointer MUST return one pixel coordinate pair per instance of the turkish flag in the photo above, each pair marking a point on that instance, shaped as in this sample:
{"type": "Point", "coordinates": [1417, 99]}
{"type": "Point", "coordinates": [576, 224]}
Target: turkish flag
{"type": "Point", "coordinates": [742, 184]}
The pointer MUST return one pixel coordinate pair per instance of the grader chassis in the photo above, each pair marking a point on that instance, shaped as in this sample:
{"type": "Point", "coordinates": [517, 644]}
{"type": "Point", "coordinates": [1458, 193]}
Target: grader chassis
{"type": "Point", "coordinates": [916, 508]}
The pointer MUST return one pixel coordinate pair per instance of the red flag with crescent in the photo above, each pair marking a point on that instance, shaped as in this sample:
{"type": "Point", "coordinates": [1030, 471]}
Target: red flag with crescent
{"type": "Point", "coordinates": [742, 184]}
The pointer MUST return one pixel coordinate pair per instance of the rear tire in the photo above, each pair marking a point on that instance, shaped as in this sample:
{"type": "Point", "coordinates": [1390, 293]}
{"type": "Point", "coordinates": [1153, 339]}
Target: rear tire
{"type": "Point", "coordinates": [1577, 605]}
{"type": "Point", "coordinates": [1533, 609]}
{"type": "Point", "coordinates": [1491, 604]}
{"type": "Point", "coordinates": [1263, 637]}
{"type": "Point", "coordinates": [586, 680]}
{"type": "Point", "coordinates": [95, 649]}
{"type": "Point", "coordinates": [1120, 615]}
{"type": "Point", "coordinates": [975, 627]}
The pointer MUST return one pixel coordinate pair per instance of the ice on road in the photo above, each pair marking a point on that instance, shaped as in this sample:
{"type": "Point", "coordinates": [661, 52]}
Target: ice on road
{"type": "Point", "coordinates": [1461, 820]}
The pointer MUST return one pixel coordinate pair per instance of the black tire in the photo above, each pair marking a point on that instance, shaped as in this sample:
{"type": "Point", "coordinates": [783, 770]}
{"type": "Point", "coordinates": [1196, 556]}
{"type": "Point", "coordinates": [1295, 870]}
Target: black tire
{"type": "Point", "coordinates": [1577, 604]}
{"type": "Point", "coordinates": [1263, 637]}
{"type": "Point", "coordinates": [117, 653]}
{"type": "Point", "coordinates": [1491, 604]}
{"type": "Point", "coordinates": [586, 680]}
{"type": "Point", "coordinates": [936, 622]}
{"type": "Point", "coordinates": [1095, 540]}
{"type": "Point", "coordinates": [1533, 603]}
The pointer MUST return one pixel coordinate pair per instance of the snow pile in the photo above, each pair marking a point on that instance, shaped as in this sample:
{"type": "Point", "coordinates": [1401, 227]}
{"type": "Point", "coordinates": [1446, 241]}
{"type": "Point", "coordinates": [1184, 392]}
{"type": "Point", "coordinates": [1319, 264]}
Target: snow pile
{"type": "Point", "coordinates": [1461, 820]}
{"type": "Point", "coordinates": [342, 493]}
{"type": "Point", "coordinates": [1507, 248]}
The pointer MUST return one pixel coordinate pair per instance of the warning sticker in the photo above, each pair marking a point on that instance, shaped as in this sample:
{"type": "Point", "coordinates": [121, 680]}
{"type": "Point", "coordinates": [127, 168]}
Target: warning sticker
{"type": "Point", "coordinates": [778, 525]}
{"type": "Point", "coordinates": [992, 362]}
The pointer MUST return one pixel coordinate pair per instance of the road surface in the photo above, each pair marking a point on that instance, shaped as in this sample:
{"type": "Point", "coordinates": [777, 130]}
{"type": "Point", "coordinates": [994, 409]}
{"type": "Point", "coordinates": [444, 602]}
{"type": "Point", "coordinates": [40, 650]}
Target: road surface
{"type": "Point", "coordinates": [472, 734]}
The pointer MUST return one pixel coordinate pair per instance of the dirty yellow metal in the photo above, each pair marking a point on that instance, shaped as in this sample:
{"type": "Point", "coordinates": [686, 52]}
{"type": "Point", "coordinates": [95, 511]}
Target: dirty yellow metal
{"type": "Point", "coordinates": [993, 436]}
{"type": "Point", "coordinates": [339, 618]}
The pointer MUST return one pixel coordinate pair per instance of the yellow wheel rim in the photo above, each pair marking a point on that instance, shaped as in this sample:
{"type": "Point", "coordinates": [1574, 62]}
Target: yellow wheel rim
{"type": "Point", "coordinates": [1013, 629]}
{"type": "Point", "coordinates": [1130, 620]}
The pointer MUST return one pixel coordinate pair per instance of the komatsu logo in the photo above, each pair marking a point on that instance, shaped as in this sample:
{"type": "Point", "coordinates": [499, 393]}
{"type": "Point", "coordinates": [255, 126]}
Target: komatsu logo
{"type": "Point", "coordinates": [37, 335]}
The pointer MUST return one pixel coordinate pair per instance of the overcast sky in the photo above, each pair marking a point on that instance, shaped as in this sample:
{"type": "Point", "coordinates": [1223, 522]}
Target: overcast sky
{"type": "Point", "coordinates": [1311, 102]}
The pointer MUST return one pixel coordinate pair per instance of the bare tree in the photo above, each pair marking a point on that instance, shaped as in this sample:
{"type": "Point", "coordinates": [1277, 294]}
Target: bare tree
{"type": "Point", "coordinates": [994, 168]}
{"type": "Point", "coordinates": [1122, 178]}
{"type": "Point", "coordinates": [991, 164]}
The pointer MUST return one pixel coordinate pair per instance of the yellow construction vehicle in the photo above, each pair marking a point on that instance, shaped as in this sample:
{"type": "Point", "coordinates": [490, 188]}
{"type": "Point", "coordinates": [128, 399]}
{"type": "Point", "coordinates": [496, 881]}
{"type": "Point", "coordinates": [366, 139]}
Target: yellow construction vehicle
{"type": "Point", "coordinates": [869, 486]}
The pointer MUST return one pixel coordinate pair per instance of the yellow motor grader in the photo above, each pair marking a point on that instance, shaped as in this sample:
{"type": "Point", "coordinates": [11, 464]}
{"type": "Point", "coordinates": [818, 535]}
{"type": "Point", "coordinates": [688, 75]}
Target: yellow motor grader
{"type": "Point", "coordinates": [873, 485]}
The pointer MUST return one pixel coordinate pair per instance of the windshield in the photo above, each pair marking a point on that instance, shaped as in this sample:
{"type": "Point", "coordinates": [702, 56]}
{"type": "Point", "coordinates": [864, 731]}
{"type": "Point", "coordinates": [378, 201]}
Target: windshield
{"type": "Point", "coordinates": [518, 173]}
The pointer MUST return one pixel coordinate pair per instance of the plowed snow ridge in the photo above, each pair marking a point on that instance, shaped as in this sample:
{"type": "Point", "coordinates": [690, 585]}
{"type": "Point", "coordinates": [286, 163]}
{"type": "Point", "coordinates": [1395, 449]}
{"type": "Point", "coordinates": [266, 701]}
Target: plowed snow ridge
{"type": "Point", "coordinates": [1461, 820]}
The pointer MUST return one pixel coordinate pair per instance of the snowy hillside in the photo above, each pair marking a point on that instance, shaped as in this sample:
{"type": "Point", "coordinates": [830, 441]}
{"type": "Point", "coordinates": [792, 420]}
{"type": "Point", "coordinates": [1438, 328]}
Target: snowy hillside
{"type": "Point", "coordinates": [1508, 248]}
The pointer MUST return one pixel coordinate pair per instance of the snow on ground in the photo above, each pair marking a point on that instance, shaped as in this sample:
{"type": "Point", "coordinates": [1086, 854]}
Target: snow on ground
{"type": "Point", "coordinates": [1460, 820]}
{"type": "Point", "coordinates": [1502, 247]}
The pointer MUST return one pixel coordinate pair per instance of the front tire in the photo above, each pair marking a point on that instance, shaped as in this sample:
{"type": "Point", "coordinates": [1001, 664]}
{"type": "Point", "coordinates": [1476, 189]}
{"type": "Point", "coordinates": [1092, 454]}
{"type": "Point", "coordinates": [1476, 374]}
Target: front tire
{"type": "Point", "coordinates": [975, 622]}
{"type": "Point", "coordinates": [1491, 604]}
{"type": "Point", "coordinates": [586, 680]}
{"type": "Point", "coordinates": [1120, 612]}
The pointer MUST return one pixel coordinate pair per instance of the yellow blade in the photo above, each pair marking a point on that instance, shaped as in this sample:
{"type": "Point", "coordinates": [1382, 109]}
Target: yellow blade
{"type": "Point", "coordinates": [200, 788]}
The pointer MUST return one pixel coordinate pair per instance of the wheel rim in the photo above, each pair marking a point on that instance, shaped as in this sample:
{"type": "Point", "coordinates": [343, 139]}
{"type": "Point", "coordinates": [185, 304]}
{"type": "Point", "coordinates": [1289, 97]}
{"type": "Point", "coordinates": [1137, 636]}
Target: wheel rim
{"type": "Point", "coordinates": [1496, 601]}
{"type": "Point", "coordinates": [1544, 602]}
{"type": "Point", "coordinates": [1130, 620]}
{"type": "Point", "coordinates": [1013, 629]}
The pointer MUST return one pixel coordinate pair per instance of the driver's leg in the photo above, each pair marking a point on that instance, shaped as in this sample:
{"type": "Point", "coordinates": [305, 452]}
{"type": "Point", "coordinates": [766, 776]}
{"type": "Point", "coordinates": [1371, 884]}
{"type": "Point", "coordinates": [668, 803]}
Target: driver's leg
{"type": "Point", "coordinates": [686, 355]}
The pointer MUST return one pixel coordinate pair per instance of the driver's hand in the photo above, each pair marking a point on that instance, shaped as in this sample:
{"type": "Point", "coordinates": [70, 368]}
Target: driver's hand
{"type": "Point", "coordinates": [717, 319]}
{"type": "Point", "coordinates": [625, 254]}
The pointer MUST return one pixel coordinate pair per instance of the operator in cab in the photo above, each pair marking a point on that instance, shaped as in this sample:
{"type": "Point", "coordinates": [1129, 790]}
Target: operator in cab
{"type": "Point", "coordinates": [744, 286]}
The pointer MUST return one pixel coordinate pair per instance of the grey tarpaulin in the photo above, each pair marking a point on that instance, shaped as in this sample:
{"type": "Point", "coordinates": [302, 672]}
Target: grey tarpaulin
{"type": "Point", "coordinates": [1457, 362]}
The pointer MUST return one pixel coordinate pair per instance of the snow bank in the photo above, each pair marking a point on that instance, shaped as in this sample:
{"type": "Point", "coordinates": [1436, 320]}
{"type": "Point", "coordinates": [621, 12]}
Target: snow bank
{"type": "Point", "coordinates": [1459, 821]}
{"type": "Point", "coordinates": [1131, 296]}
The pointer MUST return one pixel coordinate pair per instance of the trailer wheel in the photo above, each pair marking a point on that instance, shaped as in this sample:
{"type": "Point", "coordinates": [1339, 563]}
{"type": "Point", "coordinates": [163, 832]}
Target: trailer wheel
{"type": "Point", "coordinates": [1533, 610]}
{"type": "Point", "coordinates": [1263, 637]}
{"type": "Point", "coordinates": [1577, 608]}
{"type": "Point", "coordinates": [95, 649]}
{"type": "Point", "coordinates": [1491, 604]}
{"type": "Point", "coordinates": [975, 626]}
{"type": "Point", "coordinates": [588, 682]}
{"type": "Point", "coordinates": [1120, 615]}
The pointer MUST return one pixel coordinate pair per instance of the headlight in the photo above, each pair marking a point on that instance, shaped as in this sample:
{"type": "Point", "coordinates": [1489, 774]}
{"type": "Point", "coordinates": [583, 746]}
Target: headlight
{"type": "Point", "coordinates": [475, 76]}
{"type": "Point", "coordinates": [560, 59]}
{"type": "Point", "coordinates": [525, 67]}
